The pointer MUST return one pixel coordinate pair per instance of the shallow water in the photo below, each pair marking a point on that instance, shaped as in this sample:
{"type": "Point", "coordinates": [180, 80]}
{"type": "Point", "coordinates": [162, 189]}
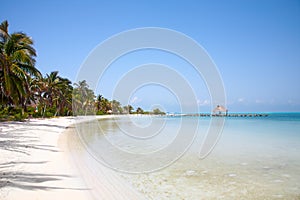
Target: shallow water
{"type": "Point", "coordinates": [255, 158]}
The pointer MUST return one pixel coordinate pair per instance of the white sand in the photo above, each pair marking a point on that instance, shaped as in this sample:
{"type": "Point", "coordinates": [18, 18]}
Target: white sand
{"type": "Point", "coordinates": [38, 161]}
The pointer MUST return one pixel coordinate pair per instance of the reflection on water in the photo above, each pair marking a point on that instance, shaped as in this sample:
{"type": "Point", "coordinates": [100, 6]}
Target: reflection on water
{"type": "Point", "coordinates": [254, 159]}
{"type": "Point", "coordinates": [123, 146]}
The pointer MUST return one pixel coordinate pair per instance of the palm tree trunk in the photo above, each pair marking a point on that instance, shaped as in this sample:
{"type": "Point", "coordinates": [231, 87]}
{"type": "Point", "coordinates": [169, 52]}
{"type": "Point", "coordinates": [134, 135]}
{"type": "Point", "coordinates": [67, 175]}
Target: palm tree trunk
{"type": "Point", "coordinates": [44, 111]}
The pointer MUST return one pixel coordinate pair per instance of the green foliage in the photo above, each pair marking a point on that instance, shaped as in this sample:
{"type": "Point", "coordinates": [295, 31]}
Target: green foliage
{"type": "Point", "coordinates": [156, 111]}
{"type": "Point", "coordinates": [24, 92]}
{"type": "Point", "coordinates": [20, 117]}
{"type": "Point", "coordinates": [12, 114]}
{"type": "Point", "coordinates": [100, 112]}
{"type": "Point", "coordinates": [16, 66]}
{"type": "Point", "coordinates": [116, 107]}
{"type": "Point", "coordinates": [49, 114]}
{"type": "Point", "coordinates": [139, 110]}
{"type": "Point", "coordinates": [4, 113]}
{"type": "Point", "coordinates": [83, 99]}
{"type": "Point", "coordinates": [127, 109]}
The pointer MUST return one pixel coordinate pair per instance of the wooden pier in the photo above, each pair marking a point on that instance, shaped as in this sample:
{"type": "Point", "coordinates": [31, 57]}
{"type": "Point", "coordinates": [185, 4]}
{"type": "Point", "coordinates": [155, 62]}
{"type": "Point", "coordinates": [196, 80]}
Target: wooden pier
{"type": "Point", "coordinates": [222, 115]}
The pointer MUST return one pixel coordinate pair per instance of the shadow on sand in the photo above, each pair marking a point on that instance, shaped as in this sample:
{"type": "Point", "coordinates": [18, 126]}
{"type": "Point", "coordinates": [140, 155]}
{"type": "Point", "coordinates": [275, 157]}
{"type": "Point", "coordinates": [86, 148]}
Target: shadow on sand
{"type": "Point", "coordinates": [27, 181]}
{"type": "Point", "coordinates": [11, 173]}
{"type": "Point", "coordinates": [16, 142]}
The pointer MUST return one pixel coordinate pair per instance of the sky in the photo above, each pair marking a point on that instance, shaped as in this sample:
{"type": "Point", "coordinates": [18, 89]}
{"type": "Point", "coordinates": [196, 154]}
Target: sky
{"type": "Point", "coordinates": [255, 45]}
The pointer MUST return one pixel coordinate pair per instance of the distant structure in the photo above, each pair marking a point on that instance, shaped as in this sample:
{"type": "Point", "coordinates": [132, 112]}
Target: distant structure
{"type": "Point", "coordinates": [220, 110]}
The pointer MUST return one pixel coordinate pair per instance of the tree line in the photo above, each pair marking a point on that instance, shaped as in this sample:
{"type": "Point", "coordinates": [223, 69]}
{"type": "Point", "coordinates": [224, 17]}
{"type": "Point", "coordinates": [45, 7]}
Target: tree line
{"type": "Point", "coordinates": [25, 92]}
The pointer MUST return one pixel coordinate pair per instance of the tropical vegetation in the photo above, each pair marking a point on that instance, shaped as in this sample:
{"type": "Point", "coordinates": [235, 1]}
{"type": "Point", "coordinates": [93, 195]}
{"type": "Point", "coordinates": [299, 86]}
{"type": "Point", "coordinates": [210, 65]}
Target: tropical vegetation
{"type": "Point", "coordinates": [25, 92]}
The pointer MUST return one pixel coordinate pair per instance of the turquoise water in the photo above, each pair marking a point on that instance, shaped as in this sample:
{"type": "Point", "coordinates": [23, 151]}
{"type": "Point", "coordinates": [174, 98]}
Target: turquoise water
{"type": "Point", "coordinates": [255, 157]}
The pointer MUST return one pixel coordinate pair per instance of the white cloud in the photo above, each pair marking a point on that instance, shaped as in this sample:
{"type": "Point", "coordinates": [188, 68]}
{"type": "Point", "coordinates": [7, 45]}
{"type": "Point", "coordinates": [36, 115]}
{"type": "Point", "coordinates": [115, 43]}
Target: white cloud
{"type": "Point", "coordinates": [135, 100]}
{"type": "Point", "coordinates": [205, 102]}
{"type": "Point", "coordinates": [258, 101]}
{"type": "Point", "coordinates": [272, 101]}
{"type": "Point", "coordinates": [241, 100]}
{"type": "Point", "coordinates": [293, 102]}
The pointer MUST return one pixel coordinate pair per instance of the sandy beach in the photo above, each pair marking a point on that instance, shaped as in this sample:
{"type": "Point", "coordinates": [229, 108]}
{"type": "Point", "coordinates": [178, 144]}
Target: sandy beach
{"type": "Point", "coordinates": [46, 159]}
{"type": "Point", "coordinates": [39, 161]}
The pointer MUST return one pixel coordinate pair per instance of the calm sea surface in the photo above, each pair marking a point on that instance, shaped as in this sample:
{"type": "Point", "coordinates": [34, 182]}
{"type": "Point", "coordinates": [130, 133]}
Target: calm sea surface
{"type": "Point", "coordinates": [254, 158]}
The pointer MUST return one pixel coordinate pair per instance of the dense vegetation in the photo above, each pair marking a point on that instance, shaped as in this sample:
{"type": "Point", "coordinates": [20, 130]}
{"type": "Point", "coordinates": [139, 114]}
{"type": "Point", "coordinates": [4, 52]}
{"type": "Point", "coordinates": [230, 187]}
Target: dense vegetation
{"type": "Point", "coordinates": [25, 92]}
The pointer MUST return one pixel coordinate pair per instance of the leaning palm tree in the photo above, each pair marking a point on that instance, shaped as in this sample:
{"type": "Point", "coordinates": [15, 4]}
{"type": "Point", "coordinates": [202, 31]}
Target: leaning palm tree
{"type": "Point", "coordinates": [16, 66]}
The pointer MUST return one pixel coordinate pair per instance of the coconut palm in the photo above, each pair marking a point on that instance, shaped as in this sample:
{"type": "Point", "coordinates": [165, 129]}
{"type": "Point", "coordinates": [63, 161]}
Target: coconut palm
{"type": "Point", "coordinates": [55, 93]}
{"type": "Point", "coordinates": [98, 102]}
{"type": "Point", "coordinates": [106, 106]}
{"type": "Point", "coordinates": [16, 66]}
{"type": "Point", "coordinates": [51, 87]}
{"type": "Point", "coordinates": [139, 110]}
{"type": "Point", "coordinates": [127, 109]}
{"type": "Point", "coordinates": [83, 98]}
{"type": "Point", "coordinates": [64, 97]}
{"type": "Point", "coordinates": [116, 107]}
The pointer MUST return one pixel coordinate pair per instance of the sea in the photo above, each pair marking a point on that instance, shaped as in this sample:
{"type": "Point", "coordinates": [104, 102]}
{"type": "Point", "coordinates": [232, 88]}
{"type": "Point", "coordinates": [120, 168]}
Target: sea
{"type": "Point", "coordinates": [160, 156]}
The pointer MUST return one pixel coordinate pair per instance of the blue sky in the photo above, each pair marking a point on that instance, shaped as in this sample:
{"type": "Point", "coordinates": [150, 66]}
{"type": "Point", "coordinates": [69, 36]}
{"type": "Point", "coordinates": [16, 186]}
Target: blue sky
{"type": "Point", "coordinates": [255, 44]}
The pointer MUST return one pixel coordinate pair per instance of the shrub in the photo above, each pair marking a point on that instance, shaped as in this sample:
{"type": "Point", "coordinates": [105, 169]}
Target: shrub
{"type": "Point", "coordinates": [100, 112]}
{"type": "Point", "coordinates": [20, 117]}
{"type": "Point", "coordinates": [49, 114]}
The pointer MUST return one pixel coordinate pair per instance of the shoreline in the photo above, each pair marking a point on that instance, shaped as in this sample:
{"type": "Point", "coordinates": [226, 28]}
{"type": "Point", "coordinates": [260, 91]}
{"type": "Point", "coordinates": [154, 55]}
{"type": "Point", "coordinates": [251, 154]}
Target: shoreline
{"type": "Point", "coordinates": [45, 159]}
{"type": "Point", "coordinates": [104, 183]}
{"type": "Point", "coordinates": [37, 163]}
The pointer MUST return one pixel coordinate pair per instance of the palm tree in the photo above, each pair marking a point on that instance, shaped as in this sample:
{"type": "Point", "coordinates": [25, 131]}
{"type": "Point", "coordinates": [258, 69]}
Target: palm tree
{"type": "Point", "coordinates": [106, 105]}
{"type": "Point", "coordinates": [127, 109]}
{"type": "Point", "coordinates": [55, 93]}
{"type": "Point", "coordinates": [64, 97]}
{"type": "Point", "coordinates": [16, 66]}
{"type": "Point", "coordinates": [51, 87]}
{"type": "Point", "coordinates": [83, 98]}
{"type": "Point", "coordinates": [139, 110]}
{"type": "Point", "coordinates": [49, 90]}
{"type": "Point", "coordinates": [116, 107]}
{"type": "Point", "coordinates": [98, 102]}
